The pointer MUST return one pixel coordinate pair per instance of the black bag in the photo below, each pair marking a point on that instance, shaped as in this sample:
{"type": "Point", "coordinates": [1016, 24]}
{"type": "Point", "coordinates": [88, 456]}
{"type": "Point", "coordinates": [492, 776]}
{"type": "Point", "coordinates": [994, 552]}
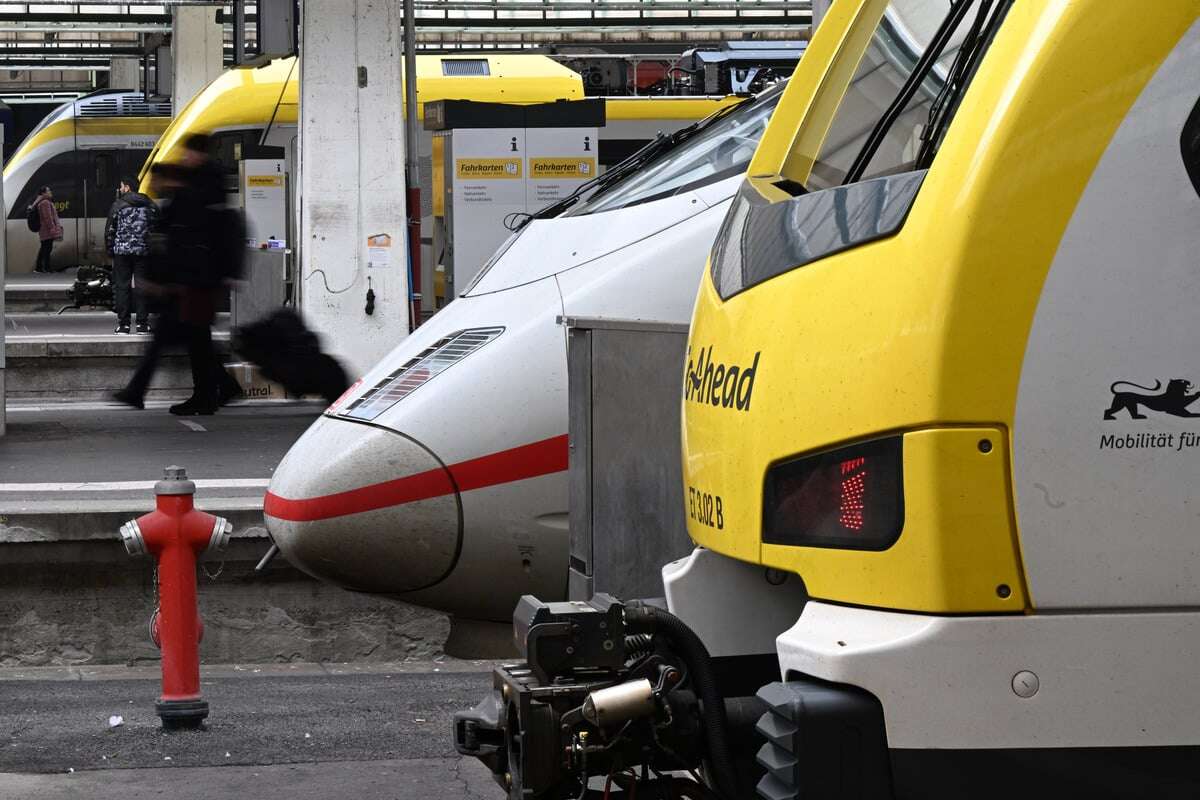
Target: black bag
{"type": "Point", "coordinates": [33, 218]}
{"type": "Point", "coordinates": [289, 353]}
{"type": "Point", "coordinates": [93, 286]}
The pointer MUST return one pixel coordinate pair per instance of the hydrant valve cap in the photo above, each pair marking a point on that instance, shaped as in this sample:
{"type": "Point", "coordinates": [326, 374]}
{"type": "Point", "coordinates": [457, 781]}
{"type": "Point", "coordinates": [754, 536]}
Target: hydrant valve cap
{"type": "Point", "coordinates": [131, 535]}
{"type": "Point", "coordinates": [220, 535]}
{"type": "Point", "coordinates": [174, 482]}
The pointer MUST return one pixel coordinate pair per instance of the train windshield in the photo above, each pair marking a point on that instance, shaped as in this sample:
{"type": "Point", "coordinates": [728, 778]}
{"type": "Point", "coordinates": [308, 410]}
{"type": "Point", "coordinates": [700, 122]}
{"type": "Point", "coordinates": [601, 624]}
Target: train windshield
{"type": "Point", "coordinates": [62, 112]}
{"type": "Point", "coordinates": [722, 150]}
{"type": "Point", "coordinates": [905, 89]}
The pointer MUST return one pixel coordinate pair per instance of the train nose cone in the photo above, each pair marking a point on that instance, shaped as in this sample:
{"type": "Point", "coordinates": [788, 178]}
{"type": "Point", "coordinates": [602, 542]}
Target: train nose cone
{"type": "Point", "coordinates": [364, 507]}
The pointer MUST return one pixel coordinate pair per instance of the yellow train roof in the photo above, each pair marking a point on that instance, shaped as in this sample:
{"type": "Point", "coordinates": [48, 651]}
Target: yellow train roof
{"type": "Point", "coordinates": [664, 107]}
{"type": "Point", "coordinates": [248, 97]}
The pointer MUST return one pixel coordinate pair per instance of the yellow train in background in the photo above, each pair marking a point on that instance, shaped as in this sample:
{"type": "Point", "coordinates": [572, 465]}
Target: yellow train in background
{"type": "Point", "coordinates": [250, 105]}
{"type": "Point", "coordinates": [251, 112]}
{"type": "Point", "coordinates": [81, 149]}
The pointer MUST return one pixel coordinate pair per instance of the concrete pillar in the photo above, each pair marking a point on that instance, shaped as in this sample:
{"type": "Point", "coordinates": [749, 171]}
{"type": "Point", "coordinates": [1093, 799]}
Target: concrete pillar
{"type": "Point", "coordinates": [352, 178]}
{"type": "Point", "coordinates": [126, 73]}
{"type": "Point", "coordinates": [196, 52]}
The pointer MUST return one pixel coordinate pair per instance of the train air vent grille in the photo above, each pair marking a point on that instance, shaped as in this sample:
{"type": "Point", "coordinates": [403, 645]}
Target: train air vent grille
{"type": "Point", "coordinates": [419, 370]}
{"type": "Point", "coordinates": [105, 107]}
{"type": "Point", "coordinates": [465, 67]}
{"type": "Point", "coordinates": [122, 106]}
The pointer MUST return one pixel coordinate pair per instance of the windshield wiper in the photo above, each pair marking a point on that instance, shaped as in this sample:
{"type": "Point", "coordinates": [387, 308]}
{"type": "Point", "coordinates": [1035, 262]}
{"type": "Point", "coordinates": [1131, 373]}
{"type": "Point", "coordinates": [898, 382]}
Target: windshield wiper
{"type": "Point", "coordinates": [651, 150]}
{"type": "Point", "coordinates": [958, 9]}
{"type": "Point", "coordinates": [964, 62]}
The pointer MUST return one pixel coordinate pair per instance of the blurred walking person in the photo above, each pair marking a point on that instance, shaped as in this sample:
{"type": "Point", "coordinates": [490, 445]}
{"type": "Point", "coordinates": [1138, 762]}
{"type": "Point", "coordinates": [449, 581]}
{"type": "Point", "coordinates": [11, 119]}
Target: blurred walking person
{"type": "Point", "coordinates": [188, 270]}
{"type": "Point", "coordinates": [49, 228]}
{"type": "Point", "coordinates": [127, 237]}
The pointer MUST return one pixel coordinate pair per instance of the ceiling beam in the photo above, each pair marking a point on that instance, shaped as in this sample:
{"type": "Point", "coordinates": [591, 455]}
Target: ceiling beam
{"type": "Point", "coordinates": [23, 64]}
{"type": "Point", "coordinates": [91, 52]}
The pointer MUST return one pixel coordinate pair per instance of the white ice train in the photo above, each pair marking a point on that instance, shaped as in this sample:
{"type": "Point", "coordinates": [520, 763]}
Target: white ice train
{"type": "Point", "coordinates": [444, 483]}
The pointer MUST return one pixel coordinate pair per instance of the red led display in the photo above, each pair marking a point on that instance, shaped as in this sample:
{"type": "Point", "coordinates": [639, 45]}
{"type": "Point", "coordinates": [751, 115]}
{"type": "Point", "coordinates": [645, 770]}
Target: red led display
{"type": "Point", "coordinates": [851, 498]}
{"type": "Point", "coordinates": [854, 487]}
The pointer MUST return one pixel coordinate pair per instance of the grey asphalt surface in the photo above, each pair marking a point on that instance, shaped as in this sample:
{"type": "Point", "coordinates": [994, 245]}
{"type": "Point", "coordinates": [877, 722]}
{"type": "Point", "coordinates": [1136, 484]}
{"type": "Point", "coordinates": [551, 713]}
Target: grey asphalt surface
{"type": "Point", "coordinates": [373, 735]}
{"type": "Point", "coordinates": [412, 779]}
{"type": "Point", "coordinates": [110, 442]}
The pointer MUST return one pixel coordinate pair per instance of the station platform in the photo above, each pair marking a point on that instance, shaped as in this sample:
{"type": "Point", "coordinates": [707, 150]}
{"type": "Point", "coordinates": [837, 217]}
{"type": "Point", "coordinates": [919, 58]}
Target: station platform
{"type": "Point", "coordinates": [303, 731]}
{"type": "Point", "coordinates": [104, 450]}
{"type": "Point", "coordinates": [72, 473]}
{"type": "Point", "coordinates": [76, 355]}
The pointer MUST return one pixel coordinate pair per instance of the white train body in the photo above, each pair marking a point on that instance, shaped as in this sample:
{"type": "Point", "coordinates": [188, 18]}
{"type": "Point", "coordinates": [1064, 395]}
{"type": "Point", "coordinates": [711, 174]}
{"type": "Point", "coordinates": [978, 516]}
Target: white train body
{"type": "Point", "coordinates": [441, 476]}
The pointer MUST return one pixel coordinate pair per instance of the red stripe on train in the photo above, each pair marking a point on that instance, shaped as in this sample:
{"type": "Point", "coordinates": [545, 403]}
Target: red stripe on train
{"type": "Point", "coordinates": [527, 461]}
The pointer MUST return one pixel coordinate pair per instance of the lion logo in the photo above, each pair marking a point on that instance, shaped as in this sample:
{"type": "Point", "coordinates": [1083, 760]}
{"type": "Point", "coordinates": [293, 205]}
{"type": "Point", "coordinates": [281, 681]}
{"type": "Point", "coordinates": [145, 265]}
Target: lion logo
{"type": "Point", "coordinates": [1173, 400]}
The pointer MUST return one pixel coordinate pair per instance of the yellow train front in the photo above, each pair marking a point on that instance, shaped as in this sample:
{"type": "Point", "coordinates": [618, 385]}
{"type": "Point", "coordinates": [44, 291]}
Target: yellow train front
{"type": "Point", "coordinates": [940, 371]}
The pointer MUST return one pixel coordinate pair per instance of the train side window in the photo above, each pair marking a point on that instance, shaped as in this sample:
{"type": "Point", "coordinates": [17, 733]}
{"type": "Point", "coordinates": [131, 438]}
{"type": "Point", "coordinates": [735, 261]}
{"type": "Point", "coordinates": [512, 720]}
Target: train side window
{"type": "Point", "coordinates": [104, 176]}
{"type": "Point", "coordinates": [228, 149]}
{"type": "Point", "coordinates": [61, 174]}
{"type": "Point", "coordinates": [1189, 144]}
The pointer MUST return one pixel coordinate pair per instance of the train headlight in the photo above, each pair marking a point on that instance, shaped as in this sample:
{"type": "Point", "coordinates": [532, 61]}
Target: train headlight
{"type": "Point", "coordinates": [417, 371]}
{"type": "Point", "coordinates": [851, 498]}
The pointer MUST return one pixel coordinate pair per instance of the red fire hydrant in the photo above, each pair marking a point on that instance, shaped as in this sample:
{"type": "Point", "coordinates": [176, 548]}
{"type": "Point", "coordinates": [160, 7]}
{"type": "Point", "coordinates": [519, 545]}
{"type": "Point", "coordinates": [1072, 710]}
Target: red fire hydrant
{"type": "Point", "coordinates": [176, 534]}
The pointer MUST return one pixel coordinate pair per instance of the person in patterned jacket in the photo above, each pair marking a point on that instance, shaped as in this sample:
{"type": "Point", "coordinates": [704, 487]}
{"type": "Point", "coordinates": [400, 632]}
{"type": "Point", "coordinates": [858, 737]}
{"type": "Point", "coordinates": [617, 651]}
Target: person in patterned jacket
{"type": "Point", "coordinates": [127, 237]}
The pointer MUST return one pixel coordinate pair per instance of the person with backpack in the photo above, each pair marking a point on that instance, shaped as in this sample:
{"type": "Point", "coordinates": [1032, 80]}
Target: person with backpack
{"type": "Point", "coordinates": [42, 216]}
{"type": "Point", "coordinates": [188, 267]}
{"type": "Point", "coordinates": [127, 238]}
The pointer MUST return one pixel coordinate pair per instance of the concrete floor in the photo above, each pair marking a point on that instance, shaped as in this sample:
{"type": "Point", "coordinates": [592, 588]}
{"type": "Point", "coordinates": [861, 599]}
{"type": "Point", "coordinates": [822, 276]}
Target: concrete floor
{"type": "Point", "coordinates": [87, 450]}
{"type": "Point", "coordinates": [91, 324]}
{"type": "Point", "coordinates": [293, 731]}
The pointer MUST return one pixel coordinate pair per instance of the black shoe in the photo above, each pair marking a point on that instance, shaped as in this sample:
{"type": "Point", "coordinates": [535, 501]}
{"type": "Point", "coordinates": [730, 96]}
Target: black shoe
{"type": "Point", "coordinates": [128, 398]}
{"type": "Point", "coordinates": [143, 327]}
{"type": "Point", "coordinates": [229, 390]}
{"type": "Point", "coordinates": [193, 408]}
{"type": "Point", "coordinates": [122, 328]}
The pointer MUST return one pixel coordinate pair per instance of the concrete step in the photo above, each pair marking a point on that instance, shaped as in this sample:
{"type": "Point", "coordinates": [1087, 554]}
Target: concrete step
{"type": "Point", "coordinates": [47, 296]}
{"type": "Point", "coordinates": [72, 367]}
{"type": "Point", "coordinates": [29, 293]}
{"type": "Point", "coordinates": [77, 357]}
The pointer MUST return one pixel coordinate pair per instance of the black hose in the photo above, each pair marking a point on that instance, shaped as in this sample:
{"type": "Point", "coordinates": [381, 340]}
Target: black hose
{"type": "Point", "coordinates": [638, 646]}
{"type": "Point", "coordinates": [649, 619]}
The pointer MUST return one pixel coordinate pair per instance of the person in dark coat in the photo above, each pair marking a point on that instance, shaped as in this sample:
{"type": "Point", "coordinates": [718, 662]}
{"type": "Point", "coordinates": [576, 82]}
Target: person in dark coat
{"type": "Point", "coordinates": [127, 239]}
{"type": "Point", "coordinates": [185, 270]}
{"type": "Point", "coordinates": [50, 228]}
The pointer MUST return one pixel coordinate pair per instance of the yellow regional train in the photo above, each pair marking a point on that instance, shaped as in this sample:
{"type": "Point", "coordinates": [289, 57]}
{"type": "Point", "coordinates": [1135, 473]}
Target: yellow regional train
{"type": "Point", "coordinates": [940, 437]}
{"type": "Point", "coordinates": [252, 104]}
{"type": "Point", "coordinates": [962, 276]}
{"type": "Point", "coordinates": [251, 111]}
{"type": "Point", "coordinates": [80, 150]}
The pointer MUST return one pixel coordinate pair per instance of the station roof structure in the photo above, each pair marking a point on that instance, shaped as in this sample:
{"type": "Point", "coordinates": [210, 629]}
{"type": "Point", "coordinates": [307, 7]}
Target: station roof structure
{"type": "Point", "coordinates": [60, 46]}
